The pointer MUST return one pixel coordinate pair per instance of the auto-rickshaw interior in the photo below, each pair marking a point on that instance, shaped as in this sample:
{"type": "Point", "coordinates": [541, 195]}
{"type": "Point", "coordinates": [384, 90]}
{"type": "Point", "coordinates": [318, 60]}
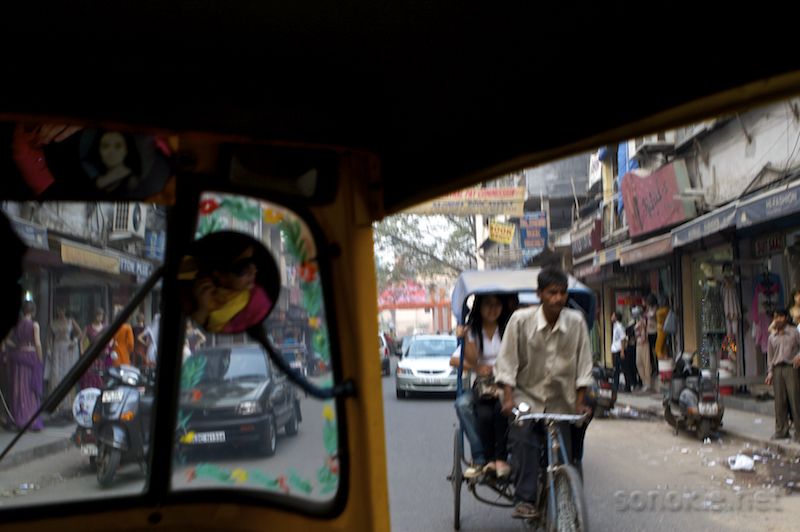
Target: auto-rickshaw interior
{"type": "Point", "coordinates": [138, 130]}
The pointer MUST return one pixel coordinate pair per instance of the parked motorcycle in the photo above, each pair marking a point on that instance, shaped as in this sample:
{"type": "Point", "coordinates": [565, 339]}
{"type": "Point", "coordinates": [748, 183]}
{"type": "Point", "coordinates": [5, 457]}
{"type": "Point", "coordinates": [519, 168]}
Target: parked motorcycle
{"type": "Point", "coordinates": [692, 400]}
{"type": "Point", "coordinates": [121, 421]}
{"type": "Point", "coordinates": [604, 394]}
{"type": "Point", "coordinates": [84, 436]}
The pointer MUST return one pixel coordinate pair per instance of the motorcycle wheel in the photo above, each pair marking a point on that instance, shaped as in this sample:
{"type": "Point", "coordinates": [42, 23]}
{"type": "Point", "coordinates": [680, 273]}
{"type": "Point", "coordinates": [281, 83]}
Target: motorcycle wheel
{"type": "Point", "coordinates": [107, 463]}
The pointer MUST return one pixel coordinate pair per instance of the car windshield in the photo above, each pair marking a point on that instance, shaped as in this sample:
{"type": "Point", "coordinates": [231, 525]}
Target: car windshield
{"type": "Point", "coordinates": [233, 364]}
{"type": "Point", "coordinates": [432, 348]}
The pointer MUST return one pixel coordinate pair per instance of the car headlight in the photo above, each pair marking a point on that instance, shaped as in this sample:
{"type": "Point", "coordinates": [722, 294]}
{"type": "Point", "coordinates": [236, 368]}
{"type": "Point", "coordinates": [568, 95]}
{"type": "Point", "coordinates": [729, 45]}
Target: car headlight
{"type": "Point", "coordinates": [248, 408]}
{"type": "Point", "coordinates": [404, 371]}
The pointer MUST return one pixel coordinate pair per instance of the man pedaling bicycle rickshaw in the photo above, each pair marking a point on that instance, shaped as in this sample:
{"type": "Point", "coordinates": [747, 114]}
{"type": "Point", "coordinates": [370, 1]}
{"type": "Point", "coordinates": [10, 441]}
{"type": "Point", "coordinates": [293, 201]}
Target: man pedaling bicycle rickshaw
{"type": "Point", "coordinates": [545, 361]}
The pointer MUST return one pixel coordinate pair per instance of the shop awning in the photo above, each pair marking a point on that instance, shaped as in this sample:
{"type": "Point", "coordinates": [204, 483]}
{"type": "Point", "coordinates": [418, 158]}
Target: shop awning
{"type": "Point", "coordinates": [609, 255]}
{"type": "Point", "coordinates": [584, 271]}
{"type": "Point", "coordinates": [641, 251]}
{"type": "Point", "coordinates": [776, 203]}
{"type": "Point", "coordinates": [706, 225]}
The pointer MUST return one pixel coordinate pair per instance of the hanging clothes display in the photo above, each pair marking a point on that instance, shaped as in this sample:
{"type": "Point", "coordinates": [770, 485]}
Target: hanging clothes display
{"type": "Point", "coordinates": [767, 296]}
{"type": "Point", "coordinates": [730, 305]}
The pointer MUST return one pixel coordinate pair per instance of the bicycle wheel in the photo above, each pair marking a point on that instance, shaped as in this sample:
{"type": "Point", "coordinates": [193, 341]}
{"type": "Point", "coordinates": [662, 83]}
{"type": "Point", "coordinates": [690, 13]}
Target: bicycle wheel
{"type": "Point", "coordinates": [570, 506]}
{"type": "Point", "coordinates": [457, 477]}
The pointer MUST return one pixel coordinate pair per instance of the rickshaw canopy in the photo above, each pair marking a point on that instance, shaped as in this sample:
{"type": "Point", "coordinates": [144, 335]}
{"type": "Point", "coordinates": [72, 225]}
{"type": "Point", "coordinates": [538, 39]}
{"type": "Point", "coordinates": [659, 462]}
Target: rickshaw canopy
{"type": "Point", "coordinates": [477, 282]}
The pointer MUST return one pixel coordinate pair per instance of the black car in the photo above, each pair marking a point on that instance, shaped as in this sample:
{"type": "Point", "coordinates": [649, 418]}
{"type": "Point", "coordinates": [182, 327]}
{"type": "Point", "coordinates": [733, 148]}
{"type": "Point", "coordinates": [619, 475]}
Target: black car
{"type": "Point", "coordinates": [237, 399]}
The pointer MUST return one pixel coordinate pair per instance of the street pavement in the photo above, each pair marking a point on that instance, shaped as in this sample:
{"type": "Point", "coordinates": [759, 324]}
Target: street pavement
{"type": "Point", "coordinates": [638, 475]}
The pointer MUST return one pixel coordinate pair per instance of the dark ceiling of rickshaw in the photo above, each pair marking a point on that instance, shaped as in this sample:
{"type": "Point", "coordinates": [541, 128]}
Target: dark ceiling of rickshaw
{"type": "Point", "coordinates": [445, 92]}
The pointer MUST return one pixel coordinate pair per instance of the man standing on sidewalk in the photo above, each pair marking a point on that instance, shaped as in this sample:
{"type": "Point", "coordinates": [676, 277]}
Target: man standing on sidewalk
{"type": "Point", "coordinates": [783, 360]}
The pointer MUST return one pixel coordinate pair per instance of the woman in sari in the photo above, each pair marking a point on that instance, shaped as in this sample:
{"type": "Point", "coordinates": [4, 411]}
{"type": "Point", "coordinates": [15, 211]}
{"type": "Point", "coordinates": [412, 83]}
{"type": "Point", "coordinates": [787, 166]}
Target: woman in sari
{"type": "Point", "coordinates": [26, 369]}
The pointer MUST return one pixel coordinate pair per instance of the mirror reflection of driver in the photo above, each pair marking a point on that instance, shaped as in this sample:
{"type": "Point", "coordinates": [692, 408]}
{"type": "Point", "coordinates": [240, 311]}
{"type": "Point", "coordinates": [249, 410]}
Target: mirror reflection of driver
{"type": "Point", "coordinates": [227, 298]}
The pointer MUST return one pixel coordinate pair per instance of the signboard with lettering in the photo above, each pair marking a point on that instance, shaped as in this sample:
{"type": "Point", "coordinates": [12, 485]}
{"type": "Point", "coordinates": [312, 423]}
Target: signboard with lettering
{"type": "Point", "coordinates": [154, 243]}
{"type": "Point", "coordinates": [141, 269]}
{"type": "Point", "coordinates": [88, 258]}
{"type": "Point", "coordinates": [651, 202]}
{"type": "Point", "coordinates": [486, 201]}
{"type": "Point", "coordinates": [770, 206]}
{"type": "Point", "coordinates": [769, 244]}
{"type": "Point", "coordinates": [587, 238]}
{"type": "Point", "coordinates": [502, 233]}
{"type": "Point", "coordinates": [533, 231]}
{"type": "Point", "coordinates": [33, 235]}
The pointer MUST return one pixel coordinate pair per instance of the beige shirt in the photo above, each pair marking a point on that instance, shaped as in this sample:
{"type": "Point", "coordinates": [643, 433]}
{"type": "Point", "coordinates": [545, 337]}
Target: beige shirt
{"type": "Point", "coordinates": [782, 347]}
{"type": "Point", "coordinates": [545, 366]}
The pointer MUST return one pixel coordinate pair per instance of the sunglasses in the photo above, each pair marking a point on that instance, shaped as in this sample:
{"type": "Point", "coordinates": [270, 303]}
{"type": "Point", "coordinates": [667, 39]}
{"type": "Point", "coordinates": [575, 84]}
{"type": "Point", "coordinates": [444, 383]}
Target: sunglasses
{"type": "Point", "coordinates": [241, 266]}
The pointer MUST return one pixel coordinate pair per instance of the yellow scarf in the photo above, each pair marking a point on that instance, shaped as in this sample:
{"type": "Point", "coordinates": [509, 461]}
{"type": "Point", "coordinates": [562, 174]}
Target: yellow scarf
{"type": "Point", "coordinates": [218, 319]}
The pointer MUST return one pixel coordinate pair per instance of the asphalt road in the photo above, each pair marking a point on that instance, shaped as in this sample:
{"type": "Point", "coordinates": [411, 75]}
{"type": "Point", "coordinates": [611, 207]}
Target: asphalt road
{"type": "Point", "coordinates": [638, 476]}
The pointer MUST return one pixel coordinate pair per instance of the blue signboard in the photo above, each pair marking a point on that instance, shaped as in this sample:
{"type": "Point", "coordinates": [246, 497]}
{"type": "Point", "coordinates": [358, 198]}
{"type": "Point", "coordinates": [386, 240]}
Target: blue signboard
{"type": "Point", "coordinates": [533, 233]}
{"type": "Point", "coordinates": [154, 242]}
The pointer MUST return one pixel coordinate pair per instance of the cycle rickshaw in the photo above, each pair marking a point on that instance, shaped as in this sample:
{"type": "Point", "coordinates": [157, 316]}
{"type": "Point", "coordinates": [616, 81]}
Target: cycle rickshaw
{"type": "Point", "coordinates": [523, 284]}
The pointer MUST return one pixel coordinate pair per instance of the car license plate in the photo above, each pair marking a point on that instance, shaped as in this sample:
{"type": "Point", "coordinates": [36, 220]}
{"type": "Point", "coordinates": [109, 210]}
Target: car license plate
{"type": "Point", "coordinates": [431, 380]}
{"type": "Point", "coordinates": [606, 393]}
{"type": "Point", "coordinates": [209, 437]}
{"type": "Point", "coordinates": [88, 449]}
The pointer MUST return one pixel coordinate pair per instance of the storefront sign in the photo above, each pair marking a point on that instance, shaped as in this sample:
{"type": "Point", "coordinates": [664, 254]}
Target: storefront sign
{"type": "Point", "coordinates": [769, 206]}
{"type": "Point", "coordinates": [582, 272]}
{"type": "Point", "coordinates": [608, 255]}
{"type": "Point", "coordinates": [502, 233]}
{"type": "Point", "coordinates": [769, 244]}
{"type": "Point", "coordinates": [486, 201]}
{"type": "Point", "coordinates": [33, 235]}
{"type": "Point", "coordinates": [141, 269]}
{"type": "Point", "coordinates": [154, 243]}
{"type": "Point", "coordinates": [650, 201]}
{"type": "Point", "coordinates": [649, 249]}
{"type": "Point", "coordinates": [88, 258]}
{"type": "Point", "coordinates": [533, 231]}
{"type": "Point", "coordinates": [586, 238]}
{"type": "Point", "coordinates": [405, 293]}
{"type": "Point", "coordinates": [704, 226]}
{"type": "Point", "coordinates": [595, 169]}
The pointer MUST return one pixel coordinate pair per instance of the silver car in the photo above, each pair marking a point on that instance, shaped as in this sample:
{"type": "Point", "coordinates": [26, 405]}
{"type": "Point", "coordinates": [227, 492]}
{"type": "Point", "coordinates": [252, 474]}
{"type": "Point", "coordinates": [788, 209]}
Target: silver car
{"type": "Point", "coordinates": [426, 366]}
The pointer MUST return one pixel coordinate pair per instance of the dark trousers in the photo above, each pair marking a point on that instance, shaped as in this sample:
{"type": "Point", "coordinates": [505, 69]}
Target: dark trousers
{"type": "Point", "coordinates": [786, 387]}
{"type": "Point", "coordinates": [651, 339]}
{"type": "Point", "coordinates": [492, 429]}
{"type": "Point", "coordinates": [529, 458]}
{"type": "Point", "coordinates": [629, 368]}
{"type": "Point", "coordinates": [618, 368]}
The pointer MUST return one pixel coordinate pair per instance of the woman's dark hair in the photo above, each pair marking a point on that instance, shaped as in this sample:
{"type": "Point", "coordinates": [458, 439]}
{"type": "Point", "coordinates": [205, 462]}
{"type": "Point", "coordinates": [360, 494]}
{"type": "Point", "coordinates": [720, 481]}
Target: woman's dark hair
{"type": "Point", "coordinates": [28, 307]}
{"type": "Point", "coordinates": [217, 252]}
{"type": "Point", "coordinates": [618, 315]}
{"type": "Point", "coordinates": [552, 276]}
{"type": "Point", "coordinates": [782, 312]}
{"type": "Point", "coordinates": [475, 320]}
{"type": "Point", "coordinates": [794, 293]}
{"type": "Point", "coordinates": [652, 300]}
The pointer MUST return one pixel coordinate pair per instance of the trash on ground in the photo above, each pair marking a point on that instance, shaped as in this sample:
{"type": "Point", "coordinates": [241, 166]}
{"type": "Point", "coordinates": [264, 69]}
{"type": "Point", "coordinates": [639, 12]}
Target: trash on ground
{"type": "Point", "coordinates": [684, 451]}
{"type": "Point", "coordinates": [758, 421]}
{"type": "Point", "coordinates": [741, 462]}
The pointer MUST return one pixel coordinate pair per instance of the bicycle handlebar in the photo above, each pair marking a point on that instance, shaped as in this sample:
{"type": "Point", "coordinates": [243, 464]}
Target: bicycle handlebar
{"type": "Point", "coordinates": [570, 418]}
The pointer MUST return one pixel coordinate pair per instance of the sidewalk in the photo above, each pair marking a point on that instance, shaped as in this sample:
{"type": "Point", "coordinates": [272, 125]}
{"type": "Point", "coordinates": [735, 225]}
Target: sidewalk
{"type": "Point", "coordinates": [752, 427]}
{"type": "Point", "coordinates": [53, 438]}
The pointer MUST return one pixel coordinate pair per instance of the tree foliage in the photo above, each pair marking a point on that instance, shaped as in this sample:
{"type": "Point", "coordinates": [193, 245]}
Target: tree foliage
{"type": "Point", "coordinates": [410, 246]}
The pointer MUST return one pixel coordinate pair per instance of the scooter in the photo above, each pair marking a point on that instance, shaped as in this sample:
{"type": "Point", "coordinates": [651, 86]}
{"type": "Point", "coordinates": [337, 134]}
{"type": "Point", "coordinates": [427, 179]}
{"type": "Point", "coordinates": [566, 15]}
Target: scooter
{"type": "Point", "coordinates": [605, 396]}
{"type": "Point", "coordinates": [121, 421]}
{"type": "Point", "coordinates": [84, 437]}
{"type": "Point", "coordinates": [692, 400]}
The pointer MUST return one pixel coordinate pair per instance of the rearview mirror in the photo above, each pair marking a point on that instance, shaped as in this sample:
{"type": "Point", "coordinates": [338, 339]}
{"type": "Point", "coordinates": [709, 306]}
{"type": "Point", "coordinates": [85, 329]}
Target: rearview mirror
{"type": "Point", "coordinates": [229, 282]}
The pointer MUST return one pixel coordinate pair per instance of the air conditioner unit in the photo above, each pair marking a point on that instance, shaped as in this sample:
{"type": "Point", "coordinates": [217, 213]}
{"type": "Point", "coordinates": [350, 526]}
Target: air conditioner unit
{"type": "Point", "coordinates": [660, 143]}
{"type": "Point", "coordinates": [129, 221]}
